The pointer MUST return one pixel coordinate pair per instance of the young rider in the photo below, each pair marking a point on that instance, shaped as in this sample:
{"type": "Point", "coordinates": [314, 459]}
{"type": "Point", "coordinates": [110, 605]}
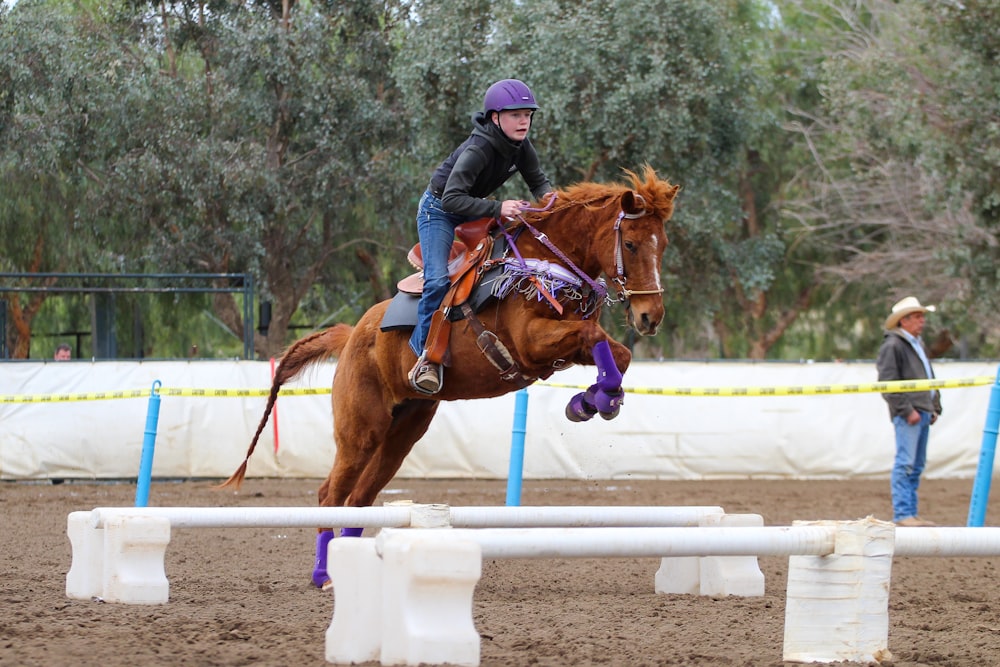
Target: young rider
{"type": "Point", "coordinates": [497, 148]}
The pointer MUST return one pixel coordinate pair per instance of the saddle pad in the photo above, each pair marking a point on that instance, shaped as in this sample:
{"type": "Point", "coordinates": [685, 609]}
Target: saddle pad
{"type": "Point", "coordinates": [402, 311]}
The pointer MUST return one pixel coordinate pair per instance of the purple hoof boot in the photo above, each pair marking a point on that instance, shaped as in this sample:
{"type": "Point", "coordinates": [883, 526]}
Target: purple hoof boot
{"type": "Point", "coordinates": [609, 403]}
{"type": "Point", "coordinates": [319, 575]}
{"type": "Point", "coordinates": [581, 407]}
{"type": "Point", "coordinates": [351, 532]}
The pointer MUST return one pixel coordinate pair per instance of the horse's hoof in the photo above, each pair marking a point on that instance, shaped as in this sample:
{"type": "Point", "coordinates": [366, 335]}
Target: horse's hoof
{"type": "Point", "coordinates": [580, 409]}
{"type": "Point", "coordinates": [327, 585]}
{"type": "Point", "coordinates": [608, 403]}
{"type": "Point", "coordinates": [319, 578]}
{"type": "Point", "coordinates": [611, 415]}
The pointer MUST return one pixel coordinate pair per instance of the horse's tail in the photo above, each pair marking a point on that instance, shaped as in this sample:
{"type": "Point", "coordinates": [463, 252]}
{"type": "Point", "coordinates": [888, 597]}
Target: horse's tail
{"type": "Point", "coordinates": [311, 349]}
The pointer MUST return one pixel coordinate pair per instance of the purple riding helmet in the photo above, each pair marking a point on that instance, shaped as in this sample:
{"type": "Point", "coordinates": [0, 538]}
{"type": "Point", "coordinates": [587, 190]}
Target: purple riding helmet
{"type": "Point", "coordinates": [508, 94]}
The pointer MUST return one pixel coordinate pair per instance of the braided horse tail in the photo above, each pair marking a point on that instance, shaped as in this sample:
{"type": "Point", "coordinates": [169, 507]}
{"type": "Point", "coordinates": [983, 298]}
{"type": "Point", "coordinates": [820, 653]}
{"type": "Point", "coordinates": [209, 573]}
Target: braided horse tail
{"type": "Point", "coordinates": [306, 351]}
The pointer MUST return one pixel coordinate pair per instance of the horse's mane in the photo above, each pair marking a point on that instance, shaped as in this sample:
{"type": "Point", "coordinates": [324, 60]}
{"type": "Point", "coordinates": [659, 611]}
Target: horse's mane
{"type": "Point", "coordinates": [658, 194]}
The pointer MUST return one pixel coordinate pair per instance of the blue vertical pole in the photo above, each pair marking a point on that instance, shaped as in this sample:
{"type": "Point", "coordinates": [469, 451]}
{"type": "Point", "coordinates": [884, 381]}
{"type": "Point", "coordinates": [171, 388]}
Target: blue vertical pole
{"type": "Point", "coordinates": [987, 450]}
{"type": "Point", "coordinates": [148, 445]}
{"type": "Point", "coordinates": [516, 471]}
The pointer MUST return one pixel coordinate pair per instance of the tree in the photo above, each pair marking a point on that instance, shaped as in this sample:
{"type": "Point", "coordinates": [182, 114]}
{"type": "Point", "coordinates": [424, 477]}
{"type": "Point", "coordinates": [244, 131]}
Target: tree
{"type": "Point", "coordinates": [258, 149]}
{"type": "Point", "coordinates": [880, 202]}
{"type": "Point", "coordinates": [621, 85]}
{"type": "Point", "coordinates": [50, 87]}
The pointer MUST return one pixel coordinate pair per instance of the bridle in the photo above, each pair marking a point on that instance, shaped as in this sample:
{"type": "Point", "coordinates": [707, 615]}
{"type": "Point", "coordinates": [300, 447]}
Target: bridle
{"type": "Point", "coordinates": [624, 294]}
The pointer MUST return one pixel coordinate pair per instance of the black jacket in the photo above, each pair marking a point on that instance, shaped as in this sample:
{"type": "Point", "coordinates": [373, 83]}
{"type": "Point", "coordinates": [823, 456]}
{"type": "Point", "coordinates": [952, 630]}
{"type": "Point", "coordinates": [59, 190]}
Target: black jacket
{"type": "Point", "coordinates": [480, 165]}
{"type": "Point", "coordinates": [897, 360]}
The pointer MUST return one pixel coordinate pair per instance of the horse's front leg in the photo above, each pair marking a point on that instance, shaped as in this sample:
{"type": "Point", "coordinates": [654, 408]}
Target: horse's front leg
{"type": "Point", "coordinates": [589, 343]}
{"type": "Point", "coordinates": [605, 396]}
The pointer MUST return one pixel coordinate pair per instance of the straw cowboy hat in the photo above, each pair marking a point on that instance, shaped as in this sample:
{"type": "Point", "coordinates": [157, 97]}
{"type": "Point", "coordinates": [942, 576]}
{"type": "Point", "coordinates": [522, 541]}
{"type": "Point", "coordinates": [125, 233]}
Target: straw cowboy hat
{"type": "Point", "coordinates": [903, 308]}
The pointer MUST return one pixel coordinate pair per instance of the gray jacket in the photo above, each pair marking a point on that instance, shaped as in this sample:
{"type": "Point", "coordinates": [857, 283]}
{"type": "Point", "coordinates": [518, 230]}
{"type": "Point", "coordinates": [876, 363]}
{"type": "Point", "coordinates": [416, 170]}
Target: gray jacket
{"type": "Point", "coordinates": [897, 360]}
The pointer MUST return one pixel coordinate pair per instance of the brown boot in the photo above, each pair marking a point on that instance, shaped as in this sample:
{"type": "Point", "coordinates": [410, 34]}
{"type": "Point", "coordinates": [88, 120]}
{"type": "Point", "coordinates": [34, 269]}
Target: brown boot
{"type": "Point", "coordinates": [425, 376]}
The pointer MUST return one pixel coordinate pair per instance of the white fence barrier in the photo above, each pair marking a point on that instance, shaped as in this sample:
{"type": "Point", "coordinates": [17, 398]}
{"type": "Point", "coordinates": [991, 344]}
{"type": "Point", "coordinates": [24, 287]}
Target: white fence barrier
{"type": "Point", "coordinates": [406, 596]}
{"type": "Point", "coordinates": [656, 437]}
{"type": "Point", "coordinates": [112, 545]}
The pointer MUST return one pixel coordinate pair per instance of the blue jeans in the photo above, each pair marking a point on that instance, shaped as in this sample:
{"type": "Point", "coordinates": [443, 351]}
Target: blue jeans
{"type": "Point", "coordinates": [911, 455]}
{"type": "Point", "coordinates": [436, 229]}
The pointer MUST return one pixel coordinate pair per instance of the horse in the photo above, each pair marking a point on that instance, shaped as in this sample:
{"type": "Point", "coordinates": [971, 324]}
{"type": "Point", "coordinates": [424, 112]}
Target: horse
{"type": "Point", "coordinates": [545, 318]}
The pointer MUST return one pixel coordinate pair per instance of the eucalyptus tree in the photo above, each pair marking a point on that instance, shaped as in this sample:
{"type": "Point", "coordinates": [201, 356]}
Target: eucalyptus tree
{"type": "Point", "coordinates": [252, 143]}
{"type": "Point", "coordinates": [898, 193]}
{"type": "Point", "coordinates": [51, 94]}
{"type": "Point", "coordinates": [622, 84]}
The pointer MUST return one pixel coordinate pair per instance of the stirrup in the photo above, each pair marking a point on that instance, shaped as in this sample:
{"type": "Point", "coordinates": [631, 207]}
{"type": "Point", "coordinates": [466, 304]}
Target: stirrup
{"type": "Point", "coordinates": [419, 368]}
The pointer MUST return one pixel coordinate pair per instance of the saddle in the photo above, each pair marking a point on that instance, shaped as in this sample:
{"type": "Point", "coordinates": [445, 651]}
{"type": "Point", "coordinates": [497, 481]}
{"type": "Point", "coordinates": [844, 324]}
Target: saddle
{"type": "Point", "coordinates": [468, 235]}
{"type": "Point", "coordinates": [471, 249]}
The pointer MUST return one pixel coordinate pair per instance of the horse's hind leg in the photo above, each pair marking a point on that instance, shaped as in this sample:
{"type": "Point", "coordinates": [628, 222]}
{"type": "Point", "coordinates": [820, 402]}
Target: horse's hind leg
{"type": "Point", "coordinates": [365, 464]}
{"type": "Point", "coordinates": [410, 420]}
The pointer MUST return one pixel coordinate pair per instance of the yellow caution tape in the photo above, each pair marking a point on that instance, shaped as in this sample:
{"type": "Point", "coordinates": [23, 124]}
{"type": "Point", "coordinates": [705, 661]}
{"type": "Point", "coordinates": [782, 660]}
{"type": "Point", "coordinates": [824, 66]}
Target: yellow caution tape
{"type": "Point", "coordinates": [162, 391]}
{"type": "Point", "coordinates": [65, 398]}
{"type": "Point", "coordinates": [792, 390]}
{"type": "Point", "coordinates": [803, 390]}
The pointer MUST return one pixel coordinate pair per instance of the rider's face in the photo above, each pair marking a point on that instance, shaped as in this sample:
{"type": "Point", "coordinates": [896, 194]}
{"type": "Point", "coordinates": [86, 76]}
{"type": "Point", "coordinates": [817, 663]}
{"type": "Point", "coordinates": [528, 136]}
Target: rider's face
{"type": "Point", "coordinates": [514, 123]}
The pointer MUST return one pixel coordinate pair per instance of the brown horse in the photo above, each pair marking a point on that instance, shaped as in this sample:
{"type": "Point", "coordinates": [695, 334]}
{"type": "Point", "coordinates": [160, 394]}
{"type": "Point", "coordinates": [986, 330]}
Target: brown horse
{"type": "Point", "coordinates": [588, 229]}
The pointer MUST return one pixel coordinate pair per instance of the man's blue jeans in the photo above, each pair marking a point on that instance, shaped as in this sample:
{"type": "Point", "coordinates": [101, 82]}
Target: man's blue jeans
{"type": "Point", "coordinates": [436, 229]}
{"type": "Point", "coordinates": [911, 455]}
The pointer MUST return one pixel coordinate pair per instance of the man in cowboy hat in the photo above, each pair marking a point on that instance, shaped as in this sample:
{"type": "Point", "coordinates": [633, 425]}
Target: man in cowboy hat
{"type": "Point", "coordinates": [902, 357]}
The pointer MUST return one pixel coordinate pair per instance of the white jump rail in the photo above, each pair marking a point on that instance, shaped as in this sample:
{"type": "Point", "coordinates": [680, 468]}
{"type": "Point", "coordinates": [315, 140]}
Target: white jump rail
{"type": "Point", "coordinates": [118, 552]}
{"type": "Point", "coordinates": [422, 581]}
{"type": "Point", "coordinates": [408, 514]}
{"type": "Point", "coordinates": [836, 602]}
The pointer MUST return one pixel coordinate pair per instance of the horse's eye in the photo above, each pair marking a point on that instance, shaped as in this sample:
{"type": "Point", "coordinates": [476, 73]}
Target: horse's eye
{"type": "Point", "coordinates": [631, 247]}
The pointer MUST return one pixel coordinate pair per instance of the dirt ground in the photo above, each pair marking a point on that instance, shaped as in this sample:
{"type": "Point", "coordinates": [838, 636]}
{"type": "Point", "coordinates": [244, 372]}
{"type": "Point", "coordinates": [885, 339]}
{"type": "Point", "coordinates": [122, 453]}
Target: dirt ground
{"type": "Point", "coordinates": [243, 597]}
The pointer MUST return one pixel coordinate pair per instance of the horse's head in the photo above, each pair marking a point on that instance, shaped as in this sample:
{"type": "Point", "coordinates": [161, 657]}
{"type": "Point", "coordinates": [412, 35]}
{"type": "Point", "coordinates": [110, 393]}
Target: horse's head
{"type": "Point", "coordinates": [617, 230]}
{"type": "Point", "coordinates": [638, 246]}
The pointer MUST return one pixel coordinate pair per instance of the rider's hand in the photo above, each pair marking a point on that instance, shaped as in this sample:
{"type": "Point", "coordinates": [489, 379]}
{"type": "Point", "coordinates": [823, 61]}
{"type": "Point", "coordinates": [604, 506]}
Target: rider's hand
{"type": "Point", "coordinates": [511, 207]}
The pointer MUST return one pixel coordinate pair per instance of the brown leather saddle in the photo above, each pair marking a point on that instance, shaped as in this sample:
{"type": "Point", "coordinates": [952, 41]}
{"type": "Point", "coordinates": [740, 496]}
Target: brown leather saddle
{"type": "Point", "coordinates": [471, 249]}
{"type": "Point", "coordinates": [468, 235]}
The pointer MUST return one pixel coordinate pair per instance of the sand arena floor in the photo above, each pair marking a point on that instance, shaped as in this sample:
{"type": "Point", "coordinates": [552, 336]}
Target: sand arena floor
{"type": "Point", "coordinates": [242, 596]}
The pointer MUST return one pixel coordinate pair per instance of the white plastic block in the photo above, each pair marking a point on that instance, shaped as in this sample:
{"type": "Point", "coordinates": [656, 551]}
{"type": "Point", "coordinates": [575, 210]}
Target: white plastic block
{"type": "Point", "coordinates": [85, 579]}
{"type": "Point", "coordinates": [837, 606]}
{"type": "Point", "coordinates": [430, 516]}
{"type": "Point", "coordinates": [355, 633]}
{"type": "Point", "coordinates": [134, 550]}
{"type": "Point", "coordinates": [427, 588]}
{"type": "Point", "coordinates": [731, 575]}
{"type": "Point", "coordinates": [679, 574]}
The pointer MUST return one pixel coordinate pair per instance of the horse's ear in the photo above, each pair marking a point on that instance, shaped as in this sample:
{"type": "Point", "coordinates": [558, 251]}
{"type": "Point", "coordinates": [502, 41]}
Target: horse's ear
{"type": "Point", "coordinates": [633, 203]}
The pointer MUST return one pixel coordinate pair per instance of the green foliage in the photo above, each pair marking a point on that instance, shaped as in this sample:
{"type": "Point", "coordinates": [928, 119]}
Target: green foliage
{"type": "Point", "coordinates": [832, 156]}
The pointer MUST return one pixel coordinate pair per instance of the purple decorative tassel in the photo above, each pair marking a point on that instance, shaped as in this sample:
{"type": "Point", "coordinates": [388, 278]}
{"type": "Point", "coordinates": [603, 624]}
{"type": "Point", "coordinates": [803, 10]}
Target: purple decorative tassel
{"type": "Point", "coordinates": [319, 575]}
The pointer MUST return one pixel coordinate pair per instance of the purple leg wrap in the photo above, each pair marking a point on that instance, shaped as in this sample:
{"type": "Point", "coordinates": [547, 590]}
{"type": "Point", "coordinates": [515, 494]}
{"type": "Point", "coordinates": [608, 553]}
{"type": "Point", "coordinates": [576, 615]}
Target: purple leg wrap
{"type": "Point", "coordinates": [581, 407]}
{"type": "Point", "coordinates": [351, 532]}
{"type": "Point", "coordinates": [319, 575]}
{"type": "Point", "coordinates": [609, 378]}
